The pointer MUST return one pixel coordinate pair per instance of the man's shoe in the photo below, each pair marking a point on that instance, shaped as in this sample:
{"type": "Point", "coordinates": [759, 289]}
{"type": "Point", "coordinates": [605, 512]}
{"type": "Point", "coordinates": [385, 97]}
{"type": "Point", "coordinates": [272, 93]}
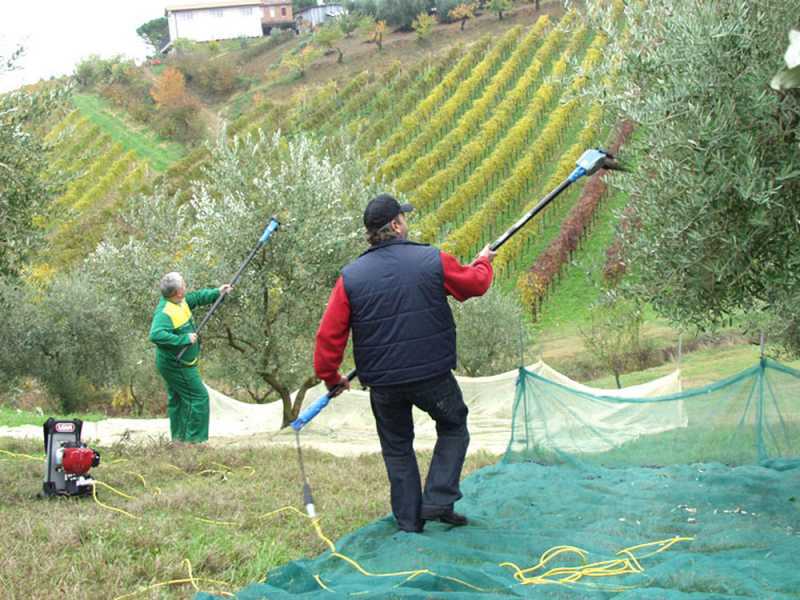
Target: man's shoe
{"type": "Point", "coordinates": [445, 515]}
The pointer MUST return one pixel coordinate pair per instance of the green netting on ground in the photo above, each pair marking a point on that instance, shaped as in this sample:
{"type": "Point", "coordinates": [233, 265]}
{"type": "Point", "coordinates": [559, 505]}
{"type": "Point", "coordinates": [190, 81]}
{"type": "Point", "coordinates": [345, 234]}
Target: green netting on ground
{"type": "Point", "coordinates": [708, 476]}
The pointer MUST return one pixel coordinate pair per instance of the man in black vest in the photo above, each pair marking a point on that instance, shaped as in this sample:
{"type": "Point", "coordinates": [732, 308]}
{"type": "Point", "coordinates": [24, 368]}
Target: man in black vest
{"type": "Point", "coordinates": [394, 299]}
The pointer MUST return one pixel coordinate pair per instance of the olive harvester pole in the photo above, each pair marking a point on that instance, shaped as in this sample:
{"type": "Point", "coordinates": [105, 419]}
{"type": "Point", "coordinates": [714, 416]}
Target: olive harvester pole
{"type": "Point", "coordinates": [589, 163]}
{"type": "Point", "coordinates": [321, 402]}
{"type": "Point", "coordinates": [271, 227]}
{"type": "Point", "coordinates": [304, 417]}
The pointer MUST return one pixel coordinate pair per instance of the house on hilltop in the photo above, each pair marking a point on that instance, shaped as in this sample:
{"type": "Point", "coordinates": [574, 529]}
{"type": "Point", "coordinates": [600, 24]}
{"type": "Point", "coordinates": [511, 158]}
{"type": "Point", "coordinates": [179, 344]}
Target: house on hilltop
{"type": "Point", "coordinates": [226, 19]}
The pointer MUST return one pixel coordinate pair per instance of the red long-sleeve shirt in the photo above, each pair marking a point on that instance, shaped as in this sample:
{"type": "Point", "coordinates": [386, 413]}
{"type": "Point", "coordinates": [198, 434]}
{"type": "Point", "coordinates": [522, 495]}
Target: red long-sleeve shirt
{"type": "Point", "coordinates": [460, 281]}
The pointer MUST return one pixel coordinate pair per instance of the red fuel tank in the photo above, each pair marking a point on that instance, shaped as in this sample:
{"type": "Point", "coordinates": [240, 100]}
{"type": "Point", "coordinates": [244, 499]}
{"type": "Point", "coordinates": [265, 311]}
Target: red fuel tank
{"type": "Point", "coordinates": [78, 461]}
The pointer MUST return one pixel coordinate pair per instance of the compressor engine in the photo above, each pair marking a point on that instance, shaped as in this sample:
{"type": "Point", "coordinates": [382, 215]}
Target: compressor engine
{"type": "Point", "coordinates": [68, 460]}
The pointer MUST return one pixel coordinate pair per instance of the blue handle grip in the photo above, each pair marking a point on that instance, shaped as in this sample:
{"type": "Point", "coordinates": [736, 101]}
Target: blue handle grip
{"type": "Point", "coordinates": [576, 174]}
{"type": "Point", "coordinates": [311, 412]}
{"type": "Point", "coordinates": [269, 230]}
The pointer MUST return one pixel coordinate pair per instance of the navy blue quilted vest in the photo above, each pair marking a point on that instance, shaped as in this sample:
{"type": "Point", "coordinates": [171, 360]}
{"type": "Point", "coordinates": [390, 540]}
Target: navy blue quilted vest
{"type": "Point", "coordinates": [403, 329]}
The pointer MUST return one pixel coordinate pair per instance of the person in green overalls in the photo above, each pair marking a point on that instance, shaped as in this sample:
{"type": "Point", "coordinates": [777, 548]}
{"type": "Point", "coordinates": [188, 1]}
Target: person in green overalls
{"type": "Point", "coordinates": [173, 328]}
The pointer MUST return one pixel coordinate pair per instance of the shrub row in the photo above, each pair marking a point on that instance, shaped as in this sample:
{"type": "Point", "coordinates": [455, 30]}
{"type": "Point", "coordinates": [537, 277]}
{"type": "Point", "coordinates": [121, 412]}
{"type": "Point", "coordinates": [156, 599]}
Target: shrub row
{"type": "Point", "coordinates": [419, 85]}
{"type": "Point", "coordinates": [78, 186]}
{"type": "Point", "coordinates": [442, 119]}
{"type": "Point", "coordinates": [519, 182]}
{"type": "Point", "coordinates": [427, 163]}
{"type": "Point", "coordinates": [110, 179]}
{"type": "Point", "coordinates": [503, 160]}
{"type": "Point", "coordinates": [411, 124]}
{"type": "Point", "coordinates": [72, 118]}
{"type": "Point", "coordinates": [452, 173]}
{"type": "Point", "coordinates": [516, 246]}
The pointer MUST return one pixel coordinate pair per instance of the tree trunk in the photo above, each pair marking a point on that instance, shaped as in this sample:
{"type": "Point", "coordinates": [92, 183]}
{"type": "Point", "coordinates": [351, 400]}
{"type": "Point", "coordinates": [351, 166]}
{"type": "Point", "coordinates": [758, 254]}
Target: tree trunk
{"type": "Point", "coordinates": [463, 22]}
{"type": "Point", "coordinates": [341, 56]}
{"type": "Point", "coordinates": [137, 404]}
{"type": "Point", "coordinates": [616, 377]}
{"type": "Point", "coordinates": [298, 399]}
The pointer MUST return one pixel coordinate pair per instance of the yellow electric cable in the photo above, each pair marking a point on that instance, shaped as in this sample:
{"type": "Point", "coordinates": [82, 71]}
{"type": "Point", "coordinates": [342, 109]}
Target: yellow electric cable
{"type": "Point", "coordinates": [318, 579]}
{"type": "Point", "coordinates": [557, 575]}
{"type": "Point", "coordinates": [190, 580]}
{"type": "Point", "coordinates": [334, 552]}
{"type": "Point", "coordinates": [215, 522]}
{"type": "Point", "coordinates": [114, 490]}
{"type": "Point", "coordinates": [144, 482]}
{"type": "Point", "coordinates": [247, 468]}
{"type": "Point", "coordinates": [106, 506]}
{"type": "Point", "coordinates": [606, 568]}
{"type": "Point", "coordinates": [212, 471]}
{"type": "Point", "coordinates": [224, 472]}
{"type": "Point", "coordinates": [177, 468]}
{"type": "Point", "coordinates": [18, 455]}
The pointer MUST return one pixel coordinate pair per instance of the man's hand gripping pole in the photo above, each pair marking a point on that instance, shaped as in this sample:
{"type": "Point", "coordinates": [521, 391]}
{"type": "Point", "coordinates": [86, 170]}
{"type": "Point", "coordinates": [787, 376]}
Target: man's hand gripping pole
{"type": "Point", "coordinates": [314, 409]}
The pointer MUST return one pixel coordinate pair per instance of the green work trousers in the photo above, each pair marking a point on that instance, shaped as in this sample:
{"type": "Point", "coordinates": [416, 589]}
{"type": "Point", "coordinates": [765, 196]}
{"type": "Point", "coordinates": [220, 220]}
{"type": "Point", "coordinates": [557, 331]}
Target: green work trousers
{"type": "Point", "coordinates": [187, 401]}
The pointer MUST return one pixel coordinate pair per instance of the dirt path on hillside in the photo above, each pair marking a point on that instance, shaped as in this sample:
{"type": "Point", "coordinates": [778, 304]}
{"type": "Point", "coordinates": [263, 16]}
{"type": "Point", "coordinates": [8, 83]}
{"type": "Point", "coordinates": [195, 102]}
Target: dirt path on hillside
{"type": "Point", "coordinates": [398, 46]}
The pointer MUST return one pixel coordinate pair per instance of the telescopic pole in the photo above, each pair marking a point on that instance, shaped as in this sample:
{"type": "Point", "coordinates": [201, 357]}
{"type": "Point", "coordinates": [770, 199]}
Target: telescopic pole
{"type": "Point", "coordinates": [271, 227]}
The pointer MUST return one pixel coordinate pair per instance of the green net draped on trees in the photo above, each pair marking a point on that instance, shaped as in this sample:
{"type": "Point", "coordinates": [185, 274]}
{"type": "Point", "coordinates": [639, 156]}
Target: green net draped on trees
{"type": "Point", "coordinates": [751, 417]}
{"type": "Point", "coordinates": [691, 495]}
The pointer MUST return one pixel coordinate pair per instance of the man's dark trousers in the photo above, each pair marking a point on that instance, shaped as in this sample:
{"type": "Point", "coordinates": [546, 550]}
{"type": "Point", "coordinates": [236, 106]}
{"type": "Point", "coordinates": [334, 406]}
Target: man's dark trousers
{"type": "Point", "coordinates": [441, 398]}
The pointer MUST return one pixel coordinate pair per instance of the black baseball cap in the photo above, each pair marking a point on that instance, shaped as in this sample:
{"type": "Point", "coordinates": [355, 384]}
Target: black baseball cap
{"type": "Point", "coordinates": [381, 210]}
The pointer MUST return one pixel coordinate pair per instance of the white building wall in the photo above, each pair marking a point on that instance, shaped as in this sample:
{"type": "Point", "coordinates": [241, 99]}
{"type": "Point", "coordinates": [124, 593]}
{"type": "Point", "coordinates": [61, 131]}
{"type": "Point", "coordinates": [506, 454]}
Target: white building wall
{"type": "Point", "coordinates": [171, 21]}
{"type": "Point", "coordinates": [206, 24]}
{"type": "Point", "coordinates": [317, 15]}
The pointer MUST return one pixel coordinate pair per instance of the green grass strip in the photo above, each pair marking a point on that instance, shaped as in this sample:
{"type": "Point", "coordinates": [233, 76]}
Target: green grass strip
{"type": "Point", "coordinates": [13, 417]}
{"type": "Point", "coordinates": [582, 281]}
{"type": "Point", "coordinates": [147, 145]}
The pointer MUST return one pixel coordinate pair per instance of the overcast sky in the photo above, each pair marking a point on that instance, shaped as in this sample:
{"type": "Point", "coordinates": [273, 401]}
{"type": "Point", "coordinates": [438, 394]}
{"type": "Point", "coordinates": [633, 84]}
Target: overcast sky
{"type": "Point", "coordinates": [57, 34]}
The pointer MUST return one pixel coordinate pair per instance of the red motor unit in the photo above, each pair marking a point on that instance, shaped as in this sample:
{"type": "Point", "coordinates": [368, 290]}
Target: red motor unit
{"type": "Point", "coordinates": [78, 461]}
{"type": "Point", "coordinates": [68, 460]}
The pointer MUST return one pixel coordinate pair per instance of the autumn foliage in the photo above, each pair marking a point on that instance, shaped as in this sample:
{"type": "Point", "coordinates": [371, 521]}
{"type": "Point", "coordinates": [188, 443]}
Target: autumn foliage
{"type": "Point", "coordinates": [169, 90]}
{"type": "Point", "coordinates": [463, 12]}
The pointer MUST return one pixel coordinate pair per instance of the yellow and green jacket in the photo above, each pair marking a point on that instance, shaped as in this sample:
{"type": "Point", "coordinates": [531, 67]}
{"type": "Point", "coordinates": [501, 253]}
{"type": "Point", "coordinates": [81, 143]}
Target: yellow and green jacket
{"type": "Point", "coordinates": [172, 324]}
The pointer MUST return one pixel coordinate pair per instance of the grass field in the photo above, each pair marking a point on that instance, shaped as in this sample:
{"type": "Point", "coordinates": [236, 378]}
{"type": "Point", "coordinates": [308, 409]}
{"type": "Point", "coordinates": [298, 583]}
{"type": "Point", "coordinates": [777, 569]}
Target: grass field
{"type": "Point", "coordinates": [209, 506]}
{"type": "Point", "coordinates": [697, 368]}
{"type": "Point", "coordinates": [147, 145]}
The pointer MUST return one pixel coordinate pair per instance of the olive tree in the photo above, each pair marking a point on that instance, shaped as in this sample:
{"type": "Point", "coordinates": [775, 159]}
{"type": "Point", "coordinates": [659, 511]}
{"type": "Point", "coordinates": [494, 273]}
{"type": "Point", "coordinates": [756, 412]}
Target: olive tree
{"type": "Point", "coordinates": [66, 336]}
{"type": "Point", "coordinates": [23, 190]}
{"type": "Point", "coordinates": [716, 195]}
{"type": "Point", "coordinates": [262, 338]}
{"type": "Point", "coordinates": [613, 334]}
{"type": "Point", "coordinates": [329, 37]}
{"type": "Point", "coordinates": [493, 334]}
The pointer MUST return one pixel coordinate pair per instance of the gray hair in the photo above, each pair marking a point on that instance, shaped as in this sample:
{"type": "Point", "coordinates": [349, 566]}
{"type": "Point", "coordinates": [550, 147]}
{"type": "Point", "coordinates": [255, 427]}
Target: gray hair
{"type": "Point", "coordinates": [170, 284]}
